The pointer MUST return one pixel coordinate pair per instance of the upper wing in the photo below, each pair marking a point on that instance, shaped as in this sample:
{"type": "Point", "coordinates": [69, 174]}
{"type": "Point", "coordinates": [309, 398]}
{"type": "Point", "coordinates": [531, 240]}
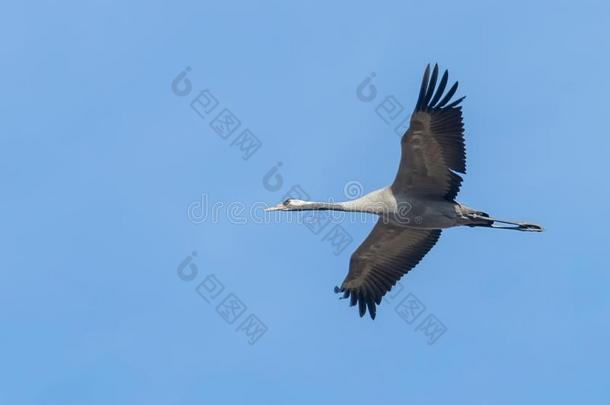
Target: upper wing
{"type": "Point", "coordinates": [433, 146]}
{"type": "Point", "coordinates": [381, 260]}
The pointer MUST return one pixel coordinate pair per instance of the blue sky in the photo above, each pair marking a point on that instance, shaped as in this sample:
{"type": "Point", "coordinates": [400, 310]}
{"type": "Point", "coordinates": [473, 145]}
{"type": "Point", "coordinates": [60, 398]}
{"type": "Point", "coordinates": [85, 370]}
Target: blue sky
{"type": "Point", "coordinates": [102, 166]}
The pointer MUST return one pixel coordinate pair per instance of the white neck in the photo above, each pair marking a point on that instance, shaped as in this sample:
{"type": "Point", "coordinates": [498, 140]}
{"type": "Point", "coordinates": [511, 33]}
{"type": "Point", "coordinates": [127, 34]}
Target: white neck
{"type": "Point", "coordinates": [374, 203]}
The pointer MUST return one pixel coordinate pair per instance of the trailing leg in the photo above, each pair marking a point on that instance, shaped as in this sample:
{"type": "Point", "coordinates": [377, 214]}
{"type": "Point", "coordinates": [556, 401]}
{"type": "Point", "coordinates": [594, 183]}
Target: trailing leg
{"type": "Point", "coordinates": [482, 219]}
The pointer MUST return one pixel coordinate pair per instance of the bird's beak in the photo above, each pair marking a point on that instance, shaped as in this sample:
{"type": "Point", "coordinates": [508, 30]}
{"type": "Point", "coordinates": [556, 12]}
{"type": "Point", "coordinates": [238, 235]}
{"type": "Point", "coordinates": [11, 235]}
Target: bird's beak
{"type": "Point", "coordinates": [279, 207]}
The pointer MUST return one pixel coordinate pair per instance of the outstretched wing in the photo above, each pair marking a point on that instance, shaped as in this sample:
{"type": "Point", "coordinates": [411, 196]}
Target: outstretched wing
{"type": "Point", "coordinates": [381, 260]}
{"type": "Point", "coordinates": [433, 146]}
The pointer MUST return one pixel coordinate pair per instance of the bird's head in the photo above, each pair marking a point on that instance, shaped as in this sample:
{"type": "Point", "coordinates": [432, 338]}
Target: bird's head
{"type": "Point", "coordinates": [291, 204]}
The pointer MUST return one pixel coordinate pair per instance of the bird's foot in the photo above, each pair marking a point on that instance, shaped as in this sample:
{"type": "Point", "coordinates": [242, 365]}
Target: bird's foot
{"type": "Point", "coordinates": [524, 226]}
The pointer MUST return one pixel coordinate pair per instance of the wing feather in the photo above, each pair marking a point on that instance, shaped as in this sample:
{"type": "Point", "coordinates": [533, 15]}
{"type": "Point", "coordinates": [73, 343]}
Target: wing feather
{"type": "Point", "coordinates": [441, 88]}
{"type": "Point", "coordinates": [433, 149]}
{"type": "Point", "coordinates": [388, 253]}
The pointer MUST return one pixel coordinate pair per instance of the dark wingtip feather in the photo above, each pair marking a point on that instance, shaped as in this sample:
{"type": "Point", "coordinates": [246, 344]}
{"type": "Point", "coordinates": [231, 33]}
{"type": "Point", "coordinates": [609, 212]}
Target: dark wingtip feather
{"type": "Point", "coordinates": [342, 291]}
{"type": "Point", "coordinates": [423, 88]}
{"type": "Point", "coordinates": [372, 309]}
{"type": "Point", "coordinates": [456, 102]}
{"type": "Point", "coordinates": [364, 299]}
{"type": "Point", "coordinates": [448, 96]}
{"type": "Point", "coordinates": [441, 89]}
{"type": "Point", "coordinates": [431, 86]}
{"type": "Point", "coordinates": [361, 306]}
{"type": "Point", "coordinates": [430, 94]}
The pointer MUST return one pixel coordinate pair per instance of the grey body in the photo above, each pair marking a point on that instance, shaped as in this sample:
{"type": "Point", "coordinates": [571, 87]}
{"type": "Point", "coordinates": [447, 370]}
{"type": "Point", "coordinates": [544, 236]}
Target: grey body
{"type": "Point", "coordinates": [409, 211]}
{"type": "Point", "coordinates": [417, 205]}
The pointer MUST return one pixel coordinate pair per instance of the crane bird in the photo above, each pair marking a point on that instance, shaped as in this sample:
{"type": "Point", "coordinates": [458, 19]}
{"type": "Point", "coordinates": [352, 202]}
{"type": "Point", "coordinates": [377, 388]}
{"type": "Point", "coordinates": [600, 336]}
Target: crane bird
{"type": "Point", "coordinates": [417, 205]}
